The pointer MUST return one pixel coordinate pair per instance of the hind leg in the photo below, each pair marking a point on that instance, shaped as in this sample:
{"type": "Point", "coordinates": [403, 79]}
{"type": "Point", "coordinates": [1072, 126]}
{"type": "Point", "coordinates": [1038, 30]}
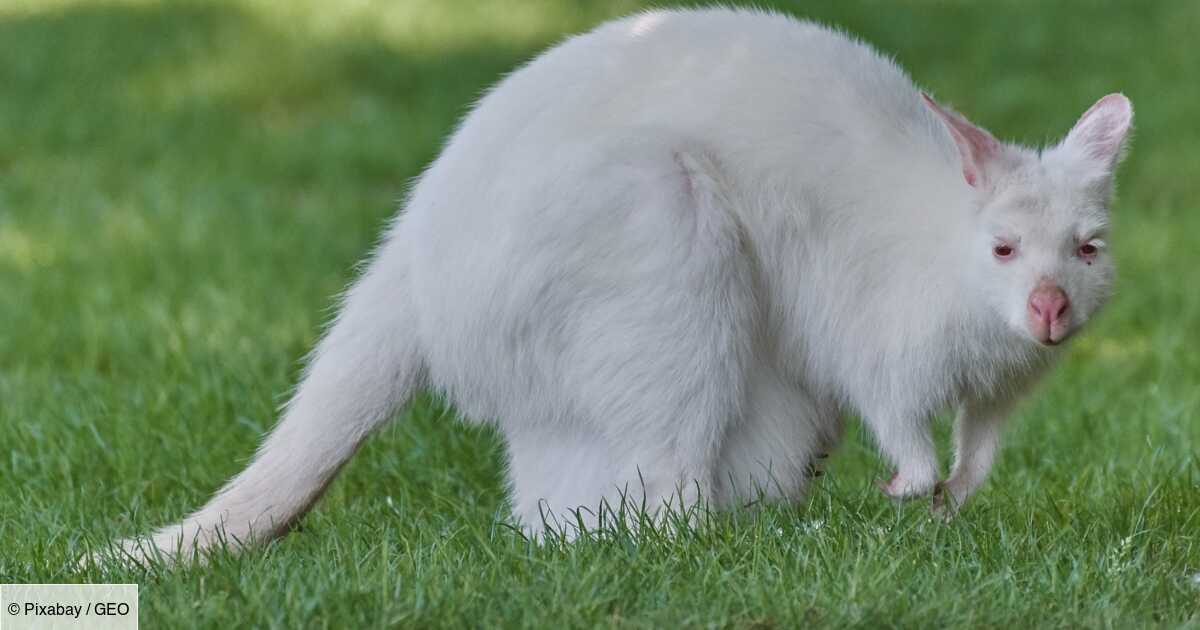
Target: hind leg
{"type": "Point", "coordinates": [562, 477]}
{"type": "Point", "coordinates": [777, 448]}
{"type": "Point", "coordinates": [570, 476]}
{"type": "Point", "coordinates": [665, 369]}
{"type": "Point", "coordinates": [653, 332]}
{"type": "Point", "coordinates": [652, 444]}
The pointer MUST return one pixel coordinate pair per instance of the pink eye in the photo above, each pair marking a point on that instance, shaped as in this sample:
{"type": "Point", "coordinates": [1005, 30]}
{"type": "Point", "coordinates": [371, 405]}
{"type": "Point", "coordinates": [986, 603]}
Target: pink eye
{"type": "Point", "coordinates": [1002, 251]}
{"type": "Point", "coordinates": [1087, 250]}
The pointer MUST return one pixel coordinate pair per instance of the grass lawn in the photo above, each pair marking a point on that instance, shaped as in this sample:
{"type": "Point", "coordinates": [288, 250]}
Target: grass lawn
{"type": "Point", "coordinates": [184, 186]}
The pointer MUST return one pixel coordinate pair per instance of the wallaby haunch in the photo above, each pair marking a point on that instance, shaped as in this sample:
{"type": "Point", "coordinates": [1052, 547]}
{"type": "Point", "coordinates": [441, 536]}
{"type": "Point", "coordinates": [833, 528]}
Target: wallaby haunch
{"type": "Point", "coordinates": [666, 256]}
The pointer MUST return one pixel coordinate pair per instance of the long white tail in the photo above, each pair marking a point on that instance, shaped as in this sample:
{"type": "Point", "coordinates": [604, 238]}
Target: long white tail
{"type": "Point", "coordinates": [367, 365]}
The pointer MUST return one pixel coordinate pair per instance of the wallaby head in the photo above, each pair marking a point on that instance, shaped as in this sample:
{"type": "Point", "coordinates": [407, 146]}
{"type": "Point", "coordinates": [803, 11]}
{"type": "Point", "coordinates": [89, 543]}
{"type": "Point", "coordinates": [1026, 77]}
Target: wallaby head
{"type": "Point", "coordinates": [1039, 256]}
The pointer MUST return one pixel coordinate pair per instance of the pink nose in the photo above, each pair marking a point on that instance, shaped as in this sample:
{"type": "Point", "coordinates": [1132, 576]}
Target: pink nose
{"type": "Point", "coordinates": [1048, 313]}
{"type": "Point", "coordinates": [1048, 303]}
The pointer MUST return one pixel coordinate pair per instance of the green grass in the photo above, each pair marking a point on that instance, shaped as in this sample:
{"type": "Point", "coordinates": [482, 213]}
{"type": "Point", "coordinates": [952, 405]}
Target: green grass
{"type": "Point", "coordinates": [184, 186]}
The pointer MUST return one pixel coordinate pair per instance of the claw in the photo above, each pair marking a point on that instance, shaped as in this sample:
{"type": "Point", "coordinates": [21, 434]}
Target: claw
{"type": "Point", "coordinates": [944, 506]}
{"type": "Point", "coordinates": [813, 471]}
{"type": "Point", "coordinates": [886, 486]}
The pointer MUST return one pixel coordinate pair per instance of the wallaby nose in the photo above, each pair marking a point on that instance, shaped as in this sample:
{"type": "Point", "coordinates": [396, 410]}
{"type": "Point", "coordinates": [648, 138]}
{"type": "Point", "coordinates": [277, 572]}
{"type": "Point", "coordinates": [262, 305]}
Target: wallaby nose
{"type": "Point", "coordinates": [1048, 303]}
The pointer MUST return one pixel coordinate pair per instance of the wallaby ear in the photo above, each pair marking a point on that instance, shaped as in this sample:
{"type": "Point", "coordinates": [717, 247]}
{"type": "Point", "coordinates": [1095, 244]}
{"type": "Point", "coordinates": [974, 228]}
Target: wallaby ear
{"type": "Point", "coordinates": [1099, 136]}
{"type": "Point", "coordinates": [977, 148]}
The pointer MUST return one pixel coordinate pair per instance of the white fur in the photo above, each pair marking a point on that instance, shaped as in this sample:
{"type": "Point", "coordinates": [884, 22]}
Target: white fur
{"type": "Point", "coordinates": [667, 255]}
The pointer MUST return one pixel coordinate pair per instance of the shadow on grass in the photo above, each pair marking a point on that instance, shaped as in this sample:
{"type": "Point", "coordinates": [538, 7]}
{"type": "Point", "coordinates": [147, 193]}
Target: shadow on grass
{"type": "Point", "coordinates": [215, 88]}
{"type": "Point", "coordinates": [182, 154]}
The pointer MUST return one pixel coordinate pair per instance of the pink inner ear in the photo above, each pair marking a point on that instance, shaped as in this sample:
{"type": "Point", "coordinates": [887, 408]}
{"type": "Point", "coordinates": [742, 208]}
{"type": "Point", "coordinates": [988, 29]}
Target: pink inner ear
{"type": "Point", "coordinates": [976, 147]}
{"type": "Point", "coordinates": [1102, 128]}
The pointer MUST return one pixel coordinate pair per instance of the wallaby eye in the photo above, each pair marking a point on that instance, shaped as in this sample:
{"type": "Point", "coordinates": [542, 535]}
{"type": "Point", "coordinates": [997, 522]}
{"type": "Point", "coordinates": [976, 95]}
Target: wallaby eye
{"type": "Point", "coordinates": [1088, 250]}
{"type": "Point", "coordinates": [1003, 250]}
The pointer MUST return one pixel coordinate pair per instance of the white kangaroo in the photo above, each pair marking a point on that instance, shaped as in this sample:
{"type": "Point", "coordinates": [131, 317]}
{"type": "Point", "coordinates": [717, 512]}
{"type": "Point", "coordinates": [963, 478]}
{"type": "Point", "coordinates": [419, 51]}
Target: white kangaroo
{"type": "Point", "coordinates": [667, 255]}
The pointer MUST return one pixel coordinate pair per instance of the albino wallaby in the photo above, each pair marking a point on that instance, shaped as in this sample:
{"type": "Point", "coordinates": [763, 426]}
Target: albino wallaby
{"type": "Point", "coordinates": [667, 255]}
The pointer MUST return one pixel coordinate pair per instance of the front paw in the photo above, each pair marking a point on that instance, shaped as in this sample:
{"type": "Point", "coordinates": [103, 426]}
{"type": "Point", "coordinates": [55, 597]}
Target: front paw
{"type": "Point", "coordinates": [947, 499]}
{"type": "Point", "coordinates": [901, 487]}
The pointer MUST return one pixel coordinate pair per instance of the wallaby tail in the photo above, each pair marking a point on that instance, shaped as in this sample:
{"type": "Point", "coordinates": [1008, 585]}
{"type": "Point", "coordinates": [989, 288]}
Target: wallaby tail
{"type": "Point", "coordinates": [367, 365]}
